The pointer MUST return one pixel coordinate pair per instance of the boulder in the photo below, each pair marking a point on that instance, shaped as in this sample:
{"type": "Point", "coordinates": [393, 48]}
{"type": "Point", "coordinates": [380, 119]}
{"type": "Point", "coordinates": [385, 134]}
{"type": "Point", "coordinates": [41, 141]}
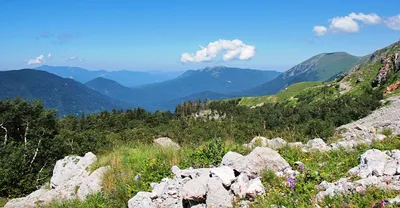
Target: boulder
{"type": "Point", "coordinates": [375, 163]}
{"type": "Point", "coordinates": [71, 179]}
{"type": "Point", "coordinates": [260, 159]}
{"type": "Point", "coordinates": [167, 143]}
{"type": "Point", "coordinates": [231, 159]}
{"type": "Point", "coordinates": [69, 167]}
{"type": "Point", "coordinates": [141, 200]}
{"type": "Point", "coordinates": [276, 143]}
{"type": "Point", "coordinates": [258, 140]}
{"type": "Point", "coordinates": [92, 184]}
{"type": "Point", "coordinates": [317, 144]}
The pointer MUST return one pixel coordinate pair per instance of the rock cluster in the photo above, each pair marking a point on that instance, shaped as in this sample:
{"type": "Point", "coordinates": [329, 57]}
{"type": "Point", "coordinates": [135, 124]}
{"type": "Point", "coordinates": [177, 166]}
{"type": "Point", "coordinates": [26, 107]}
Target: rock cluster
{"type": "Point", "coordinates": [238, 176]}
{"type": "Point", "coordinates": [377, 168]}
{"type": "Point", "coordinates": [316, 144]}
{"type": "Point", "coordinates": [71, 179]}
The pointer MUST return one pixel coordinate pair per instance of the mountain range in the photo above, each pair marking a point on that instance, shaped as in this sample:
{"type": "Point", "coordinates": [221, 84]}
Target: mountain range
{"type": "Point", "coordinates": [193, 84]}
{"type": "Point", "coordinates": [66, 95]}
{"type": "Point", "coordinates": [88, 91]}
{"type": "Point", "coordinates": [124, 77]}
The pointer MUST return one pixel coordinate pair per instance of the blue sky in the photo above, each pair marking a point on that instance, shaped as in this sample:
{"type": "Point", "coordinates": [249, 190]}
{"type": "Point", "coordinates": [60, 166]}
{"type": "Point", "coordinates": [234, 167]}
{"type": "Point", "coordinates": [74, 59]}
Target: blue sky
{"type": "Point", "coordinates": [153, 35]}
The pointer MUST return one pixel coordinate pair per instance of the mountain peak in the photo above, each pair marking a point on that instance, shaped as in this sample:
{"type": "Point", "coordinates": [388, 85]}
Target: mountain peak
{"type": "Point", "coordinates": [214, 68]}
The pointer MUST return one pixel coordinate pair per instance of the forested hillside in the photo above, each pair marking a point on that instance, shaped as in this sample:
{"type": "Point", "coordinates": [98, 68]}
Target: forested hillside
{"type": "Point", "coordinates": [65, 95]}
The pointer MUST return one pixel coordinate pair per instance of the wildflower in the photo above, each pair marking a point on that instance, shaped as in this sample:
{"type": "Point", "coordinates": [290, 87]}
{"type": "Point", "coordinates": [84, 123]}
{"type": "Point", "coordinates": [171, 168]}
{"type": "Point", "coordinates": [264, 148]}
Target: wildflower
{"type": "Point", "coordinates": [383, 203]}
{"type": "Point", "coordinates": [292, 182]}
{"type": "Point", "coordinates": [387, 182]}
{"type": "Point", "coordinates": [301, 167]}
{"type": "Point", "coordinates": [320, 165]}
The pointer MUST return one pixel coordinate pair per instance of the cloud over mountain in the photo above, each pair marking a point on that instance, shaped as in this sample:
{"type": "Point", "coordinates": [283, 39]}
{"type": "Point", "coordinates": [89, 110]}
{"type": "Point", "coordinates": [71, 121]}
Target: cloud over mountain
{"type": "Point", "coordinates": [229, 49]}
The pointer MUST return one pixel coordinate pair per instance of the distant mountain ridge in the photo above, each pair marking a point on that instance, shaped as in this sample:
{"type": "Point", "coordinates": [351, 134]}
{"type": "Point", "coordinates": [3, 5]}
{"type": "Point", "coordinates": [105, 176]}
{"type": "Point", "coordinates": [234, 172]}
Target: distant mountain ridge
{"type": "Point", "coordinates": [66, 95]}
{"type": "Point", "coordinates": [194, 84]}
{"type": "Point", "coordinates": [321, 67]}
{"type": "Point", "coordinates": [124, 77]}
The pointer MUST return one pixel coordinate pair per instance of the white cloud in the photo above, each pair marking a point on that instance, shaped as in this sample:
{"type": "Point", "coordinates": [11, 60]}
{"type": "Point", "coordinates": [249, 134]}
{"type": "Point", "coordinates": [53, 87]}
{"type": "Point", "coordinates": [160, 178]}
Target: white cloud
{"type": "Point", "coordinates": [344, 24]}
{"type": "Point", "coordinates": [231, 49]}
{"type": "Point", "coordinates": [73, 58]}
{"type": "Point", "coordinates": [320, 30]}
{"type": "Point", "coordinates": [370, 19]}
{"type": "Point", "coordinates": [393, 22]}
{"type": "Point", "coordinates": [351, 23]}
{"type": "Point", "coordinates": [38, 60]}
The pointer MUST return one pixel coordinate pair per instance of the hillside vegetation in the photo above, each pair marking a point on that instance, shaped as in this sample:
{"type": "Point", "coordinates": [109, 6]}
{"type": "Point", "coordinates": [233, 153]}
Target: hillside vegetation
{"type": "Point", "coordinates": [65, 95]}
{"type": "Point", "coordinates": [124, 140]}
{"type": "Point", "coordinates": [322, 67]}
{"type": "Point", "coordinates": [287, 94]}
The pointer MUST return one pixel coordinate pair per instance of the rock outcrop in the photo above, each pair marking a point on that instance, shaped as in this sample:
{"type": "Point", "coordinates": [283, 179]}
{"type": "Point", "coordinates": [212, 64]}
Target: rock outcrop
{"type": "Point", "coordinates": [367, 129]}
{"type": "Point", "coordinates": [166, 143]}
{"type": "Point", "coordinates": [71, 179]}
{"type": "Point", "coordinates": [377, 168]}
{"type": "Point", "coordinates": [237, 176]}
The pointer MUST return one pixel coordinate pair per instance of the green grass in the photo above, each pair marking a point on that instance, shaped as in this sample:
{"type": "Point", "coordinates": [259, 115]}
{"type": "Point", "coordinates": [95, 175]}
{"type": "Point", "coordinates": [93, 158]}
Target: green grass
{"type": "Point", "coordinates": [289, 93]}
{"type": "Point", "coordinates": [154, 163]}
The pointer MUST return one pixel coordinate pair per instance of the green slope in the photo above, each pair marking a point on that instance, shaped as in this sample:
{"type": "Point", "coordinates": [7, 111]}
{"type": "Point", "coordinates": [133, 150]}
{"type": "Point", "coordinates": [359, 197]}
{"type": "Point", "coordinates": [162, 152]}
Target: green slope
{"type": "Point", "coordinates": [322, 67]}
{"type": "Point", "coordinates": [288, 93]}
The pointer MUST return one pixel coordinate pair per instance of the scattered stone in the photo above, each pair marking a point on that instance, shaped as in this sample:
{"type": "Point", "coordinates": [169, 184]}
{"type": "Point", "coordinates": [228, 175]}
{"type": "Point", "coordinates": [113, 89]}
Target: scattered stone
{"type": "Point", "coordinates": [167, 142]}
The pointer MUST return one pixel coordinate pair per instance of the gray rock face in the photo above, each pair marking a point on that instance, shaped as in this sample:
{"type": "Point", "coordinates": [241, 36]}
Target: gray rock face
{"type": "Point", "coordinates": [167, 143]}
{"type": "Point", "coordinates": [71, 179]}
